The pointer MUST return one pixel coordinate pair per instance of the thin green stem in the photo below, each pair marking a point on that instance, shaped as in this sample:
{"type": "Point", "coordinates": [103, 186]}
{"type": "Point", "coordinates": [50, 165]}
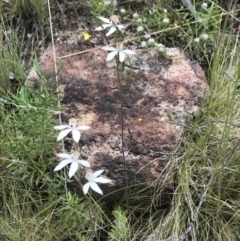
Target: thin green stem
{"type": "Point", "coordinates": [120, 73]}
{"type": "Point", "coordinates": [94, 214]}
{"type": "Point", "coordinates": [91, 210]}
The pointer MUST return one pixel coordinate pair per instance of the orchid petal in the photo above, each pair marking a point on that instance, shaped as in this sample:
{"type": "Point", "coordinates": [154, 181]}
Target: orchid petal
{"type": "Point", "coordinates": [111, 55]}
{"type": "Point", "coordinates": [102, 180]}
{"type": "Point", "coordinates": [96, 188]}
{"type": "Point", "coordinates": [76, 135]}
{"type": "Point", "coordinates": [105, 20]}
{"type": "Point", "coordinates": [106, 25]}
{"type": "Point", "coordinates": [84, 163]}
{"type": "Point", "coordinates": [119, 26]}
{"type": "Point", "coordinates": [62, 164]}
{"type": "Point", "coordinates": [72, 122]}
{"type": "Point", "coordinates": [83, 128]}
{"type": "Point", "coordinates": [68, 160]}
{"type": "Point", "coordinates": [61, 127]}
{"type": "Point", "coordinates": [63, 133]}
{"type": "Point", "coordinates": [86, 188]}
{"type": "Point", "coordinates": [109, 48]}
{"type": "Point", "coordinates": [97, 173]}
{"type": "Point", "coordinates": [121, 56]}
{"type": "Point", "coordinates": [73, 169]}
{"type": "Point", "coordinates": [112, 30]}
{"type": "Point", "coordinates": [99, 28]}
{"type": "Point", "coordinates": [64, 155]}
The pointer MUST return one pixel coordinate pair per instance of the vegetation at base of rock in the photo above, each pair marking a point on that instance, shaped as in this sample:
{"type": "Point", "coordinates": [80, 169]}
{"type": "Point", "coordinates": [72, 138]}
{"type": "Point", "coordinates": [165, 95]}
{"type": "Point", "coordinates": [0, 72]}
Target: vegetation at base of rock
{"type": "Point", "coordinates": [25, 24]}
{"type": "Point", "coordinates": [204, 199]}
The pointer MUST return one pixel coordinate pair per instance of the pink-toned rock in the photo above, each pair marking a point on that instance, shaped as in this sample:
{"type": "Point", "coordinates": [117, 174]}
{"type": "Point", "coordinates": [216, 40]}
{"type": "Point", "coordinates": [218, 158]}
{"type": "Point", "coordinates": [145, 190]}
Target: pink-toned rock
{"type": "Point", "coordinates": [158, 97]}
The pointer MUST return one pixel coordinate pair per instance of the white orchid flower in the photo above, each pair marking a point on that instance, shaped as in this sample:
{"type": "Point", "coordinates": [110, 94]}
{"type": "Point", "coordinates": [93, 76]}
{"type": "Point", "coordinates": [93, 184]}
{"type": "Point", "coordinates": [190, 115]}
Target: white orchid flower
{"type": "Point", "coordinates": [117, 51]}
{"type": "Point", "coordinates": [71, 127]}
{"type": "Point", "coordinates": [111, 23]}
{"type": "Point", "coordinates": [73, 159]}
{"type": "Point", "coordinates": [92, 181]}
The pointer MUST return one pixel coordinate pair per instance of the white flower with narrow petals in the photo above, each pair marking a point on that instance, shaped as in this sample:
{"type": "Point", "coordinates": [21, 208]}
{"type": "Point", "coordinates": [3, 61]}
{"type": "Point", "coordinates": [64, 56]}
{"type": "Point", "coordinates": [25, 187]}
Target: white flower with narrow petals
{"type": "Point", "coordinates": [73, 159]}
{"type": "Point", "coordinates": [71, 127]}
{"type": "Point", "coordinates": [117, 51]}
{"type": "Point", "coordinates": [92, 181]}
{"type": "Point", "coordinates": [110, 23]}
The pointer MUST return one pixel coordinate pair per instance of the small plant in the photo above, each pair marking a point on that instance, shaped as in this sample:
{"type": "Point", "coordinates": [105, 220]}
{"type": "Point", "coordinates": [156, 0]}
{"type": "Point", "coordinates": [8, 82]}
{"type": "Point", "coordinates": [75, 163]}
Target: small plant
{"type": "Point", "coordinates": [120, 57]}
{"type": "Point", "coordinates": [120, 229]}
